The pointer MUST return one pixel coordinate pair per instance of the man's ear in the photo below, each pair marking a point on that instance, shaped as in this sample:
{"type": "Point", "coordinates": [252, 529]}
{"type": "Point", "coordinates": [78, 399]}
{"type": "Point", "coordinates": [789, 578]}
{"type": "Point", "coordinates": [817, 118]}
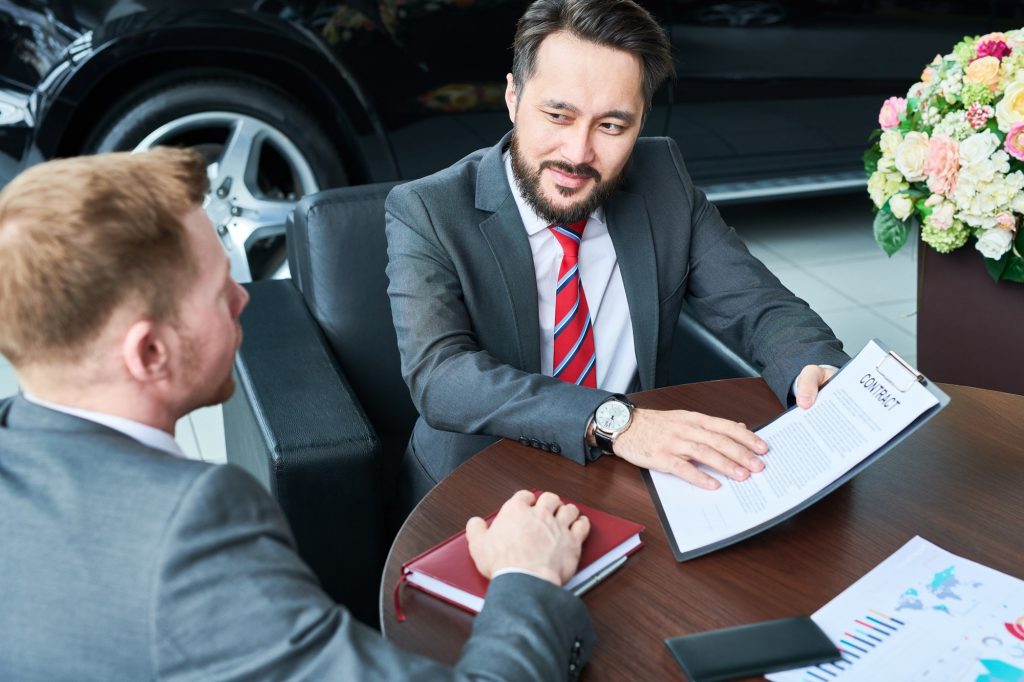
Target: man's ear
{"type": "Point", "coordinates": [145, 352]}
{"type": "Point", "coordinates": [511, 100]}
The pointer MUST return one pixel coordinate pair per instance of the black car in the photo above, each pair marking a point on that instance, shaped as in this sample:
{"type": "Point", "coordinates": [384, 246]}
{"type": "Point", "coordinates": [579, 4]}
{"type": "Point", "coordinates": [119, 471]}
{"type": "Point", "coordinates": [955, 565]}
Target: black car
{"type": "Point", "coordinates": [286, 97]}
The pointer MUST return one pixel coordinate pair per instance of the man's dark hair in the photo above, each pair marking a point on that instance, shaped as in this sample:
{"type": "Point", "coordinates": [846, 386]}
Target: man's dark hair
{"type": "Point", "coordinates": [620, 24]}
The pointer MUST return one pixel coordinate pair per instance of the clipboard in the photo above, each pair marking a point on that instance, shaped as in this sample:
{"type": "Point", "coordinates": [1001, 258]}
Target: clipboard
{"type": "Point", "coordinates": [891, 366]}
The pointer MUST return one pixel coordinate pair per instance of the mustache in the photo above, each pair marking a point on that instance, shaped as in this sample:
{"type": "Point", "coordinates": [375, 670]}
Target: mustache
{"type": "Point", "coordinates": [582, 170]}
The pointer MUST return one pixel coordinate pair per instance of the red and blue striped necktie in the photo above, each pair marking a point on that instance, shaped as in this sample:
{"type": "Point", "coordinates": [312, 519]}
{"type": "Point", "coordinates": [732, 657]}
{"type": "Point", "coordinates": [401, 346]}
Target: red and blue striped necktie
{"type": "Point", "coordinates": [574, 359]}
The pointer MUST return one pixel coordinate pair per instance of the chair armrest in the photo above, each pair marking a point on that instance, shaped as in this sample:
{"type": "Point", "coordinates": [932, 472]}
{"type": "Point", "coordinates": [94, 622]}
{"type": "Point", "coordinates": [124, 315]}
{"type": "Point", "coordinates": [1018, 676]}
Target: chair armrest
{"type": "Point", "coordinates": [699, 355]}
{"type": "Point", "coordinates": [295, 424]}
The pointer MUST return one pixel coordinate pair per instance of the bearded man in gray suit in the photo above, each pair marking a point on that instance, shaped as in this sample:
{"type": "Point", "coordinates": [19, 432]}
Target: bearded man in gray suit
{"type": "Point", "coordinates": [498, 336]}
{"type": "Point", "coordinates": [124, 561]}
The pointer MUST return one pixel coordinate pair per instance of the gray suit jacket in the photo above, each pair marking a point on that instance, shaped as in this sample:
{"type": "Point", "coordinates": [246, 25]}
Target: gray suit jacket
{"type": "Point", "coordinates": [124, 563]}
{"type": "Point", "coordinates": [464, 302]}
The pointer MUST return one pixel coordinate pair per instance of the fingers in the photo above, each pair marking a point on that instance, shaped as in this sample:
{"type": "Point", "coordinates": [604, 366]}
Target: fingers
{"type": "Point", "coordinates": [548, 503]}
{"type": "Point", "coordinates": [734, 430]}
{"type": "Point", "coordinates": [475, 528]}
{"type": "Point", "coordinates": [682, 468]}
{"type": "Point", "coordinates": [580, 529]}
{"type": "Point", "coordinates": [522, 499]}
{"type": "Point", "coordinates": [567, 514]}
{"type": "Point", "coordinates": [807, 383]}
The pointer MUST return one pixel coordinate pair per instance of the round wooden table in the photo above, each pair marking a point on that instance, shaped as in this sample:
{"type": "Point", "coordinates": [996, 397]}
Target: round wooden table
{"type": "Point", "coordinates": [958, 482]}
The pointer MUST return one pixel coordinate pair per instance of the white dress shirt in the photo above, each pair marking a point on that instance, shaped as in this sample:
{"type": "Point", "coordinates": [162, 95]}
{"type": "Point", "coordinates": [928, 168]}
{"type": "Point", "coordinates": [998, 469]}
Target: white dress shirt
{"type": "Point", "coordinates": [602, 283]}
{"type": "Point", "coordinates": [143, 433]}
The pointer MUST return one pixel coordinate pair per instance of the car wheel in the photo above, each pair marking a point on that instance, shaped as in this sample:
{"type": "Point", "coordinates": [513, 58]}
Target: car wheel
{"type": "Point", "coordinates": [264, 154]}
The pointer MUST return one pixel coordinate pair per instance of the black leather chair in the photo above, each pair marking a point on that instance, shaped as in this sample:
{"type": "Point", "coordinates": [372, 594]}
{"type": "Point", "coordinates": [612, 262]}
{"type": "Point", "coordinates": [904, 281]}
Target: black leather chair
{"type": "Point", "coordinates": [321, 415]}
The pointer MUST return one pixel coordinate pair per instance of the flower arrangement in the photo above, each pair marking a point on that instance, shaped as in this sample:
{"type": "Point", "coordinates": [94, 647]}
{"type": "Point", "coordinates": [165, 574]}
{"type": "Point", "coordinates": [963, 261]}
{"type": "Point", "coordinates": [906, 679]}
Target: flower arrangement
{"type": "Point", "coordinates": [950, 155]}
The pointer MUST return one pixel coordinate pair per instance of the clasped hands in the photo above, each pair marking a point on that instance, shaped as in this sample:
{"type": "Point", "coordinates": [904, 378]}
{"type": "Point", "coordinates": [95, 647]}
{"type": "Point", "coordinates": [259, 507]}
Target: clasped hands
{"type": "Point", "coordinates": [676, 441]}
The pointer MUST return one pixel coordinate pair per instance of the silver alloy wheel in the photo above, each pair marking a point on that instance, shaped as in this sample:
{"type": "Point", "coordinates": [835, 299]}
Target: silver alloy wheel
{"type": "Point", "coordinates": [240, 211]}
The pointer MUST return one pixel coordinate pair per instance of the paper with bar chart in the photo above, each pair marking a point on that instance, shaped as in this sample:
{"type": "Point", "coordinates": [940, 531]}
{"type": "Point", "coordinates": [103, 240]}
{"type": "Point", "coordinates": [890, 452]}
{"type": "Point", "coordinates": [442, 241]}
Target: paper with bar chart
{"type": "Point", "coordinates": [924, 614]}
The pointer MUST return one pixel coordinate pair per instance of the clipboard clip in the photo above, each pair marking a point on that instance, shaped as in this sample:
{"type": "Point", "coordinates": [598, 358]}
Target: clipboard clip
{"type": "Point", "coordinates": [892, 364]}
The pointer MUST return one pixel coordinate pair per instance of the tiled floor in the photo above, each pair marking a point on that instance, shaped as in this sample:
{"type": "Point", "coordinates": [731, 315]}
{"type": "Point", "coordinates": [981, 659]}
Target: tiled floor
{"type": "Point", "coordinates": [820, 248]}
{"type": "Point", "coordinates": [824, 251]}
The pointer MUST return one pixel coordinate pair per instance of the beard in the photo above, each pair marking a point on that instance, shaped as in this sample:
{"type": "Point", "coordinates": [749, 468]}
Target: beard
{"type": "Point", "coordinates": [207, 391]}
{"type": "Point", "coordinates": [528, 182]}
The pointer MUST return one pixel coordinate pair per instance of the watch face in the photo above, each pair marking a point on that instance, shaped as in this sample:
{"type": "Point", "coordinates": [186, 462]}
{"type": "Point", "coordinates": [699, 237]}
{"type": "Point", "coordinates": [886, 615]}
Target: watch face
{"type": "Point", "coordinates": [611, 416]}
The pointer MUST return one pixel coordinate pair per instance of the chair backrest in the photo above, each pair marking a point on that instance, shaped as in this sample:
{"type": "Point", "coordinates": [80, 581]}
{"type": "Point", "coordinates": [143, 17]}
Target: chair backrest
{"type": "Point", "coordinates": [337, 253]}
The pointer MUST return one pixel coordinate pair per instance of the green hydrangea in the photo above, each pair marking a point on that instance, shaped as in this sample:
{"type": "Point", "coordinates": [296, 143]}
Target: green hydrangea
{"type": "Point", "coordinates": [945, 241]}
{"type": "Point", "coordinates": [976, 92]}
{"type": "Point", "coordinates": [1009, 70]}
{"type": "Point", "coordinates": [966, 50]}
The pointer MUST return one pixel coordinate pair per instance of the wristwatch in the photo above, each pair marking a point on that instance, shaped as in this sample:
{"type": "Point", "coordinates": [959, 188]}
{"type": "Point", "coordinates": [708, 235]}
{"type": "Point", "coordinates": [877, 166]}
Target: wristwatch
{"type": "Point", "coordinates": [611, 418]}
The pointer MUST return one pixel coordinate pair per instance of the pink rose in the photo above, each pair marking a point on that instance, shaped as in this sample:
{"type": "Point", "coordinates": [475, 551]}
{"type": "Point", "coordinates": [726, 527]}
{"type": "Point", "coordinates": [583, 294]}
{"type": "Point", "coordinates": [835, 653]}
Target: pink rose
{"type": "Point", "coordinates": [993, 48]}
{"type": "Point", "coordinates": [943, 164]}
{"type": "Point", "coordinates": [1005, 220]}
{"type": "Point", "coordinates": [889, 116]}
{"type": "Point", "coordinates": [1014, 143]}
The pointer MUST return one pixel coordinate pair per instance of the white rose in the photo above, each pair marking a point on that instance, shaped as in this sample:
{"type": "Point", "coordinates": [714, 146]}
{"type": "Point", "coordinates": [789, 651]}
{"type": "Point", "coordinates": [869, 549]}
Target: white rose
{"type": "Point", "coordinates": [912, 155]}
{"type": "Point", "coordinates": [901, 206]}
{"type": "Point", "coordinates": [1017, 204]}
{"type": "Point", "coordinates": [994, 243]}
{"type": "Point", "coordinates": [978, 147]}
{"type": "Point", "coordinates": [1010, 109]}
{"type": "Point", "coordinates": [889, 142]}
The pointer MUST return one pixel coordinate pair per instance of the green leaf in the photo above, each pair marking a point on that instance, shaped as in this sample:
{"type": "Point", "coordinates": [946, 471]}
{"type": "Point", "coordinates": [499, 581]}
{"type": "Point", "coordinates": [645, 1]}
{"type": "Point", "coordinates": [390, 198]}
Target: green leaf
{"type": "Point", "coordinates": [871, 157]}
{"type": "Point", "coordinates": [923, 209]}
{"type": "Point", "coordinates": [996, 268]}
{"type": "Point", "coordinates": [1014, 271]}
{"type": "Point", "coordinates": [875, 134]}
{"type": "Point", "coordinates": [890, 232]}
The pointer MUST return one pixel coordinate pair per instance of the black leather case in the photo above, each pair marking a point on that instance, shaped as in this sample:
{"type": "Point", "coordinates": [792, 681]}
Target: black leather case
{"type": "Point", "coordinates": [752, 649]}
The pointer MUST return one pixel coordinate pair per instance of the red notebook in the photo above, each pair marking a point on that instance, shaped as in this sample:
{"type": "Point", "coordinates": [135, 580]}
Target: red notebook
{"type": "Point", "coordinates": [447, 572]}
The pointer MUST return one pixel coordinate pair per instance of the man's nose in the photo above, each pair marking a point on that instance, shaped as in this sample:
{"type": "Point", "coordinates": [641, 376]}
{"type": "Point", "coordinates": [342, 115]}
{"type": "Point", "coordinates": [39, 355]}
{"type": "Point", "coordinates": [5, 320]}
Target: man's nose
{"type": "Point", "coordinates": [243, 298]}
{"type": "Point", "coordinates": [578, 146]}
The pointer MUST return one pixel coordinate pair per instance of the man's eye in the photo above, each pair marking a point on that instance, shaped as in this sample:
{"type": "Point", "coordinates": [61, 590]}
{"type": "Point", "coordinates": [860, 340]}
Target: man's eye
{"type": "Point", "coordinates": [559, 118]}
{"type": "Point", "coordinates": [613, 127]}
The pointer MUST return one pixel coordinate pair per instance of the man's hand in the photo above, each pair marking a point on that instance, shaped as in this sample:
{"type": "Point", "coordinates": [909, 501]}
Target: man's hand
{"type": "Point", "coordinates": [675, 441]}
{"type": "Point", "coordinates": [540, 535]}
{"type": "Point", "coordinates": [809, 381]}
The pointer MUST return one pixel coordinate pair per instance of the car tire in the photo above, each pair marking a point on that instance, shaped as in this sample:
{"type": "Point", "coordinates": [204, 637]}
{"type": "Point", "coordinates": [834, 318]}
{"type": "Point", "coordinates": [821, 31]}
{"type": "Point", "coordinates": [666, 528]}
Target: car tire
{"type": "Point", "coordinates": [181, 110]}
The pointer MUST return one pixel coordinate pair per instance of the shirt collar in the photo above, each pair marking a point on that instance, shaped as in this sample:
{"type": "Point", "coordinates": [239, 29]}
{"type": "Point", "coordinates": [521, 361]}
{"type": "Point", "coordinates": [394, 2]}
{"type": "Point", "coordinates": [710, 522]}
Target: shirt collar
{"type": "Point", "coordinates": [533, 222]}
{"type": "Point", "coordinates": [143, 433]}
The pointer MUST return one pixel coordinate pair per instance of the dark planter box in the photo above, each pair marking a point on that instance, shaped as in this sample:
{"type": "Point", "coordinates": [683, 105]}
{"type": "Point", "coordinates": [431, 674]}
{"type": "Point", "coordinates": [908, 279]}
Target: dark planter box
{"type": "Point", "coordinates": [970, 329]}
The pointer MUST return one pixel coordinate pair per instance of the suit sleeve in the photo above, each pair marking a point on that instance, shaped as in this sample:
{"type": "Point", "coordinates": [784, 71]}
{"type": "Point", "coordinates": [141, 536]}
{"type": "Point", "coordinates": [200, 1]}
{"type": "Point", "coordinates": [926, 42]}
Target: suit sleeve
{"type": "Point", "coordinates": [738, 298]}
{"type": "Point", "coordinates": [454, 383]}
{"type": "Point", "coordinates": [233, 601]}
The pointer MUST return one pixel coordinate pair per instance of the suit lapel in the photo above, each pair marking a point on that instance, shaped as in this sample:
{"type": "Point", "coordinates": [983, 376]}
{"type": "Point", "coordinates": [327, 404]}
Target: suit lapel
{"type": "Point", "coordinates": [629, 226]}
{"type": "Point", "coordinates": [510, 247]}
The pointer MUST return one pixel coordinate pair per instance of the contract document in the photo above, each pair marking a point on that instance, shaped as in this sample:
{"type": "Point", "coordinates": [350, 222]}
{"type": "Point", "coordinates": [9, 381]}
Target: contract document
{"type": "Point", "coordinates": [923, 615]}
{"type": "Point", "coordinates": [874, 401]}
